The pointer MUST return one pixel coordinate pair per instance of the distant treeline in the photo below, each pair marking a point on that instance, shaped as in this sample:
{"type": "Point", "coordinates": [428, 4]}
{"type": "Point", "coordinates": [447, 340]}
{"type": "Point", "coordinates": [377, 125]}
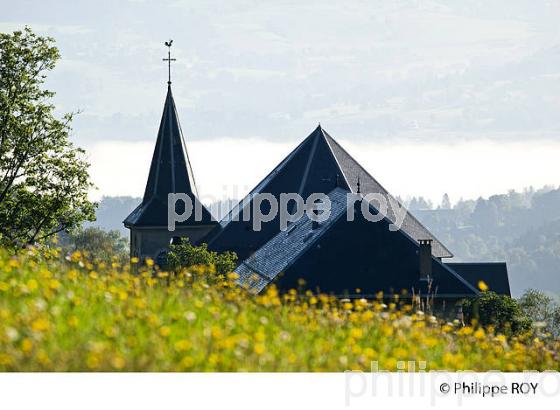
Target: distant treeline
{"type": "Point", "coordinates": [522, 228]}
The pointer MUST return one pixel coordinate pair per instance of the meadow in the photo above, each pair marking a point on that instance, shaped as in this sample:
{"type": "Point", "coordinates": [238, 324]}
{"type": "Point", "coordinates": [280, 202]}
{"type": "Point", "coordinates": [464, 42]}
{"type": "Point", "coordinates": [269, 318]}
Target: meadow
{"type": "Point", "coordinates": [63, 313]}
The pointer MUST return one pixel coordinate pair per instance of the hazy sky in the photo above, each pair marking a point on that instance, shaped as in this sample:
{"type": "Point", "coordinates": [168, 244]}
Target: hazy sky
{"type": "Point", "coordinates": [431, 96]}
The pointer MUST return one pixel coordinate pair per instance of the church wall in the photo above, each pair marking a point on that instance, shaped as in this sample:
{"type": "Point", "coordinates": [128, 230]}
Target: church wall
{"type": "Point", "coordinates": [149, 242]}
{"type": "Point", "coordinates": [364, 255]}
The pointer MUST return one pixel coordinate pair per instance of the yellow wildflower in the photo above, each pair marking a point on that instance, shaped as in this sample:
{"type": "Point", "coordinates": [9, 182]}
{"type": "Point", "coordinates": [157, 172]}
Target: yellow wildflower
{"type": "Point", "coordinates": [259, 349]}
{"type": "Point", "coordinates": [40, 325]}
{"type": "Point", "coordinates": [32, 285]}
{"type": "Point", "coordinates": [26, 345]}
{"type": "Point", "coordinates": [356, 333]}
{"type": "Point", "coordinates": [182, 345]}
{"type": "Point", "coordinates": [479, 334]}
{"type": "Point", "coordinates": [118, 362]}
{"type": "Point", "coordinates": [187, 362]}
{"type": "Point", "coordinates": [54, 284]}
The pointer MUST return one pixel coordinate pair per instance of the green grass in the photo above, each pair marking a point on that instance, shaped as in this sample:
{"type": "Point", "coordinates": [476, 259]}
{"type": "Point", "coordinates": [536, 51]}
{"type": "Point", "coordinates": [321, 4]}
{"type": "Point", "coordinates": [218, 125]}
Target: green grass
{"type": "Point", "coordinates": [70, 315]}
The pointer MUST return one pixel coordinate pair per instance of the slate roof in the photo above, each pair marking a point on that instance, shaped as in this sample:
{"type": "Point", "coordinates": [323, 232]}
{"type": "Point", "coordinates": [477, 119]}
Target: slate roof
{"type": "Point", "coordinates": [317, 165]}
{"type": "Point", "coordinates": [170, 172]}
{"type": "Point", "coordinates": [494, 274]}
{"type": "Point", "coordinates": [275, 256]}
{"type": "Point", "coordinates": [290, 246]}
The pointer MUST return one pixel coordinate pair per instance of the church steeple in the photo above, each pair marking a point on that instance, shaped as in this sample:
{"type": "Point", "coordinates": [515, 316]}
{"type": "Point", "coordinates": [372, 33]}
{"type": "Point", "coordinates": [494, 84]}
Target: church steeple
{"type": "Point", "coordinates": [170, 172]}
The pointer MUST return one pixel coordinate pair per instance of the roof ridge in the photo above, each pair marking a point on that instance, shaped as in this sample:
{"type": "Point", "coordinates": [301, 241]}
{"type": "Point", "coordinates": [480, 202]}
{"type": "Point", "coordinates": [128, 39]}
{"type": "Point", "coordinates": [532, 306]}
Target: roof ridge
{"type": "Point", "coordinates": [243, 202]}
{"type": "Point", "coordinates": [308, 163]}
{"type": "Point", "coordinates": [190, 172]}
{"type": "Point", "coordinates": [360, 165]}
{"type": "Point", "coordinates": [326, 136]}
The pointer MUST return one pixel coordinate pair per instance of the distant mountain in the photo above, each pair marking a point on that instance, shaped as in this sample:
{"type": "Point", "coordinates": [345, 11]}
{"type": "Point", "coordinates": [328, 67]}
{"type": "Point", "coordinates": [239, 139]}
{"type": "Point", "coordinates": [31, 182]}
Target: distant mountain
{"type": "Point", "coordinates": [113, 210]}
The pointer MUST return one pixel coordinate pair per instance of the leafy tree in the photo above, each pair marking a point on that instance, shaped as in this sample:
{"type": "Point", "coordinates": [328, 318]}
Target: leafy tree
{"type": "Point", "coordinates": [419, 203]}
{"type": "Point", "coordinates": [521, 228]}
{"type": "Point", "coordinates": [445, 202]}
{"type": "Point", "coordinates": [185, 255]}
{"type": "Point", "coordinates": [486, 215]}
{"type": "Point", "coordinates": [43, 178]}
{"type": "Point", "coordinates": [500, 311]}
{"type": "Point", "coordinates": [541, 309]}
{"type": "Point", "coordinates": [97, 244]}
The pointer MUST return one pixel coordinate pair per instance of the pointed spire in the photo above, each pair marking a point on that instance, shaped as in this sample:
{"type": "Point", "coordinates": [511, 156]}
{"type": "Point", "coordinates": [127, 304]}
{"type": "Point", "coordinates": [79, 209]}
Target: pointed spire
{"type": "Point", "coordinates": [170, 172]}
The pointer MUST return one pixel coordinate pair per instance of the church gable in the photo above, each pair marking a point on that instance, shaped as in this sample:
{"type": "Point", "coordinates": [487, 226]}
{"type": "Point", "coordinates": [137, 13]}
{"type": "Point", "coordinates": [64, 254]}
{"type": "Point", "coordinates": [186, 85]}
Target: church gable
{"type": "Point", "coordinates": [317, 165]}
{"type": "Point", "coordinates": [308, 169]}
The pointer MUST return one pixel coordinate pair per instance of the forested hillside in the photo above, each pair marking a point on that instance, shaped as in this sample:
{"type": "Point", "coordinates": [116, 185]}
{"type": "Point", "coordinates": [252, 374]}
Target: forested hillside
{"type": "Point", "coordinates": [520, 228]}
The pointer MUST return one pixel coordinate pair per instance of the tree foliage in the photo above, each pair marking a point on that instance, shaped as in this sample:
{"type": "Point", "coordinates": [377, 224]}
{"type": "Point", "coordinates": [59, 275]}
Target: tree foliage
{"type": "Point", "coordinates": [543, 311]}
{"type": "Point", "coordinates": [43, 178]}
{"type": "Point", "coordinates": [96, 244]}
{"type": "Point", "coordinates": [500, 311]}
{"type": "Point", "coordinates": [185, 255]}
{"type": "Point", "coordinates": [521, 228]}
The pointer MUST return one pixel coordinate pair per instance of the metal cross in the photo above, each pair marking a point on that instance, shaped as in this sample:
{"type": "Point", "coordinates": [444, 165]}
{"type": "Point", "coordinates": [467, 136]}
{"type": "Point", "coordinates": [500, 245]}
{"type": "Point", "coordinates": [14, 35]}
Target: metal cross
{"type": "Point", "coordinates": [169, 59]}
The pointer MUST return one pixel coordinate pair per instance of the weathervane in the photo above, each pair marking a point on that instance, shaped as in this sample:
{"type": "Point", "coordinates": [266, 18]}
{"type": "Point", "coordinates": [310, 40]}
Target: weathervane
{"type": "Point", "coordinates": [169, 59]}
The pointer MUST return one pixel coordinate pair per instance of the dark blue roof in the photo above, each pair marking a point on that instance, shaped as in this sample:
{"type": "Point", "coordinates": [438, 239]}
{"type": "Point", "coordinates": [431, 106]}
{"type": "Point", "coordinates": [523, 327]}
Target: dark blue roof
{"type": "Point", "coordinates": [494, 274]}
{"type": "Point", "coordinates": [276, 255]}
{"type": "Point", "coordinates": [170, 172]}
{"type": "Point", "coordinates": [338, 256]}
{"type": "Point", "coordinates": [317, 165]}
{"type": "Point", "coordinates": [353, 170]}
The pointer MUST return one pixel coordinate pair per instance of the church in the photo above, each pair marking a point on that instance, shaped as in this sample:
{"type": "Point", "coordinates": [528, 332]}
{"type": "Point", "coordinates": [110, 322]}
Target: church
{"type": "Point", "coordinates": [355, 258]}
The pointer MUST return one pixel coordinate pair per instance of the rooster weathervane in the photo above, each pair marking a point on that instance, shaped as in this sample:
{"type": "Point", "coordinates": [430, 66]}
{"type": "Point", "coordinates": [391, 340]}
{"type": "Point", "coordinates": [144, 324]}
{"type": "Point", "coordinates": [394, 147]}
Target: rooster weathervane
{"type": "Point", "coordinates": [169, 60]}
